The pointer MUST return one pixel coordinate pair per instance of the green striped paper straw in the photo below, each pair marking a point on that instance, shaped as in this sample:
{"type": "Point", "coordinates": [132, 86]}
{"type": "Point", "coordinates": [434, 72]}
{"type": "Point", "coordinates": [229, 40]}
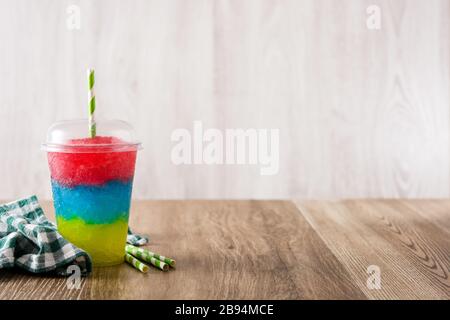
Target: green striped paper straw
{"type": "Point", "coordinates": [92, 124]}
{"type": "Point", "coordinates": [136, 263]}
{"type": "Point", "coordinates": [158, 261]}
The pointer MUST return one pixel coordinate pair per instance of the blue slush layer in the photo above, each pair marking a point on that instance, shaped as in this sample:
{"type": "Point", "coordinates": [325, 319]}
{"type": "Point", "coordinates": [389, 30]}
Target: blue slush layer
{"type": "Point", "coordinates": [97, 204]}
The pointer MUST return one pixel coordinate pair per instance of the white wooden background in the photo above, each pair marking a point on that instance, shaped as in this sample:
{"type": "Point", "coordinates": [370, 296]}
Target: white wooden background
{"type": "Point", "coordinates": [361, 113]}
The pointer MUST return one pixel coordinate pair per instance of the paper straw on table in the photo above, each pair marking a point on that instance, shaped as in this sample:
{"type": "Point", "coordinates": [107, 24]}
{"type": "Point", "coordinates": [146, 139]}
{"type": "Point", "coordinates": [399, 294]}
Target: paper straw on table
{"type": "Point", "coordinates": [136, 263]}
{"type": "Point", "coordinates": [157, 260]}
{"type": "Point", "coordinates": [91, 94]}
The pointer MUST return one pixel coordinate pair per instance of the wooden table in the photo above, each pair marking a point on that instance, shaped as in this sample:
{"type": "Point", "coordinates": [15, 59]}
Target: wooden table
{"type": "Point", "coordinates": [273, 250]}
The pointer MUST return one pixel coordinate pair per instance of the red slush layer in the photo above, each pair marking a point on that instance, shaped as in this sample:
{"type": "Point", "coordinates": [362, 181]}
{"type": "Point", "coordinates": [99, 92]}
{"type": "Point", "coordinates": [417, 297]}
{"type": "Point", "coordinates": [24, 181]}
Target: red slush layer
{"type": "Point", "coordinates": [99, 165]}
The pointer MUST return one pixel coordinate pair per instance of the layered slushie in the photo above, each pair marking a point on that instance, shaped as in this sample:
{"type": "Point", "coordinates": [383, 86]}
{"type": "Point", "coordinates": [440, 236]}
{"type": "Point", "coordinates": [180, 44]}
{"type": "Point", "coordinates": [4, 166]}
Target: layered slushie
{"type": "Point", "coordinates": [92, 181]}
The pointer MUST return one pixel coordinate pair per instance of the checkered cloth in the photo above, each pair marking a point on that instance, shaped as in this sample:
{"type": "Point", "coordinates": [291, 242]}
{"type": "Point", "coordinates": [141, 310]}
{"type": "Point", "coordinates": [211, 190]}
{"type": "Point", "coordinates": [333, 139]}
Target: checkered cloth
{"type": "Point", "coordinates": [31, 242]}
{"type": "Point", "coordinates": [135, 239]}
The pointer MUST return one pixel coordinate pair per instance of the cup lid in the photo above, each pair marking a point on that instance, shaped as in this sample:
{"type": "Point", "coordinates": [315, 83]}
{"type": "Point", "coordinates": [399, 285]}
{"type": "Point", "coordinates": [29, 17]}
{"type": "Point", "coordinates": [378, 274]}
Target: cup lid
{"type": "Point", "coordinates": [73, 136]}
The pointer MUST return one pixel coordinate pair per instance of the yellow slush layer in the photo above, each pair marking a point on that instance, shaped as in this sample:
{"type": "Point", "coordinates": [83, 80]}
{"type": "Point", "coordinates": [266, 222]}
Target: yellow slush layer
{"type": "Point", "coordinates": [105, 243]}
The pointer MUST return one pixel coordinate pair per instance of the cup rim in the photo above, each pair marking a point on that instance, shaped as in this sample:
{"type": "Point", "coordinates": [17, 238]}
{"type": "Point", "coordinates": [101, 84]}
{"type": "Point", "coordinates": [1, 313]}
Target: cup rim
{"type": "Point", "coordinates": [93, 148]}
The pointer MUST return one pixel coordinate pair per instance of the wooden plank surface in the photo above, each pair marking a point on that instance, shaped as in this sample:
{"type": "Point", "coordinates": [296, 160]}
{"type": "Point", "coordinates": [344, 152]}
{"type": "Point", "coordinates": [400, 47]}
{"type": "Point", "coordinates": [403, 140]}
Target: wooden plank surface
{"type": "Point", "coordinates": [413, 254]}
{"type": "Point", "coordinates": [272, 250]}
{"type": "Point", "coordinates": [224, 250]}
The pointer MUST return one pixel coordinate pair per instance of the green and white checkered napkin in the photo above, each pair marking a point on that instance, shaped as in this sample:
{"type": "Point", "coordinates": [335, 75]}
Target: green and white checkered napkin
{"type": "Point", "coordinates": [31, 242]}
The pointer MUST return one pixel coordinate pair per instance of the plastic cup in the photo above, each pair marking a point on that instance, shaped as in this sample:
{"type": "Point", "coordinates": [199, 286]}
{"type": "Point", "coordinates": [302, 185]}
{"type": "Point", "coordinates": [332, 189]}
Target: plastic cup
{"type": "Point", "coordinates": [92, 181]}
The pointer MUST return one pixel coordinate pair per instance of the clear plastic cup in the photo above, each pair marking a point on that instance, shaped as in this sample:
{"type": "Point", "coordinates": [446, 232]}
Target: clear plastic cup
{"type": "Point", "coordinates": [92, 181]}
